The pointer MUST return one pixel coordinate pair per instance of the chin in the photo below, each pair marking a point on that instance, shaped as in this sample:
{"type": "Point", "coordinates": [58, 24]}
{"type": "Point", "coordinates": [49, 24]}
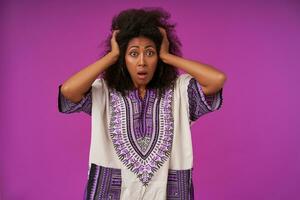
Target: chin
{"type": "Point", "coordinates": [142, 82]}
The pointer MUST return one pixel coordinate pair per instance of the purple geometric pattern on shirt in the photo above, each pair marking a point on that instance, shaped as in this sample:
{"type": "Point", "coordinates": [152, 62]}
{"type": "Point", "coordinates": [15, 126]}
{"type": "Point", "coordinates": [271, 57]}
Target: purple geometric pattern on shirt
{"type": "Point", "coordinates": [199, 103]}
{"type": "Point", "coordinates": [144, 120]}
{"type": "Point", "coordinates": [67, 106]}
{"type": "Point", "coordinates": [103, 183]}
{"type": "Point", "coordinates": [180, 185]}
{"type": "Point", "coordinates": [143, 163]}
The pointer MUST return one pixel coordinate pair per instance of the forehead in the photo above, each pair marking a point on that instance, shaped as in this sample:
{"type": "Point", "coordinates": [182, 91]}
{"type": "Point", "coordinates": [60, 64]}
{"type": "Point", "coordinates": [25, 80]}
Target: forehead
{"type": "Point", "coordinates": [140, 42]}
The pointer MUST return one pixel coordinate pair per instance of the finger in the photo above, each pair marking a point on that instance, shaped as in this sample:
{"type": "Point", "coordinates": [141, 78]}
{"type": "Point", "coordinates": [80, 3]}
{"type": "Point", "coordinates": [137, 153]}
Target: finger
{"type": "Point", "coordinates": [163, 31]}
{"type": "Point", "coordinates": [114, 33]}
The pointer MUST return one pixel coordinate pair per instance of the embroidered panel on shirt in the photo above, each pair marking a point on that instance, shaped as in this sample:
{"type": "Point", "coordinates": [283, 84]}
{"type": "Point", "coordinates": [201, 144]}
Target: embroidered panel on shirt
{"type": "Point", "coordinates": [142, 118]}
{"type": "Point", "coordinates": [180, 185]}
{"type": "Point", "coordinates": [103, 183]}
{"type": "Point", "coordinates": [199, 103]}
{"type": "Point", "coordinates": [142, 131]}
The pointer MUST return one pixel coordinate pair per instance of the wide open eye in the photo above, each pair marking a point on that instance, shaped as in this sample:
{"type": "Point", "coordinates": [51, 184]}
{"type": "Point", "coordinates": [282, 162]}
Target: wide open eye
{"type": "Point", "coordinates": [133, 53]}
{"type": "Point", "coordinates": [150, 53]}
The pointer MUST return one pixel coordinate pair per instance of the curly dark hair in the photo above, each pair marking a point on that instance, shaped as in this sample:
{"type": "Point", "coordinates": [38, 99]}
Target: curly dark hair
{"type": "Point", "coordinates": [142, 22]}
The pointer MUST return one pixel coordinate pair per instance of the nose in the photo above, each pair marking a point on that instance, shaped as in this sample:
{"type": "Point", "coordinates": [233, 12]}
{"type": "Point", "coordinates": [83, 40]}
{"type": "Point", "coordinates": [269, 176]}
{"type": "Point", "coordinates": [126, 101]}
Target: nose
{"type": "Point", "coordinates": [141, 60]}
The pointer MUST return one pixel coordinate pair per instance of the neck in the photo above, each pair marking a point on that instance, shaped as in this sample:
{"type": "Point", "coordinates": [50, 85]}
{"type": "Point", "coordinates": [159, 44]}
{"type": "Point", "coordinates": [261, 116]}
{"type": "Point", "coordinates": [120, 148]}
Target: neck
{"type": "Point", "coordinates": [141, 91]}
{"type": "Point", "coordinates": [140, 87]}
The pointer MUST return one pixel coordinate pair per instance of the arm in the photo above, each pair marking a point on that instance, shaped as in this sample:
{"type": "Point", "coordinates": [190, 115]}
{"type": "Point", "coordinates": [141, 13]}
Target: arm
{"type": "Point", "coordinates": [77, 85]}
{"type": "Point", "coordinates": [211, 79]}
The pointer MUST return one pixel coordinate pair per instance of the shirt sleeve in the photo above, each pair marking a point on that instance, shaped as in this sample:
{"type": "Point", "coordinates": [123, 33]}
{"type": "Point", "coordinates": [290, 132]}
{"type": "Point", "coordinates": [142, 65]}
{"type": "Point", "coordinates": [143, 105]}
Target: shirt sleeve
{"type": "Point", "coordinates": [67, 106]}
{"type": "Point", "coordinates": [199, 103]}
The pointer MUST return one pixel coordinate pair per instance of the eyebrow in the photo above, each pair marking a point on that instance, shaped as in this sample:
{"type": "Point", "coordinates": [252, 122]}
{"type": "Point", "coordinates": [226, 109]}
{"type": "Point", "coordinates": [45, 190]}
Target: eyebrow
{"type": "Point", "coordinates": [145, 46]}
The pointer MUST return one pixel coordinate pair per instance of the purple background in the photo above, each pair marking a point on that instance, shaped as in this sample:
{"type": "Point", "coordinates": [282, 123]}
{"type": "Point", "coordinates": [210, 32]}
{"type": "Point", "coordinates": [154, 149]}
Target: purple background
{"type": "Point", "coordinates": [247, 150]}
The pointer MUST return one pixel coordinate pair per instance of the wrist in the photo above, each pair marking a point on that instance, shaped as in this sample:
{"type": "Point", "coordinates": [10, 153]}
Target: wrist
{"type": "Point", "coordinates": [113, 56]}
{"type": "Point", "coordinates": [165, 57]}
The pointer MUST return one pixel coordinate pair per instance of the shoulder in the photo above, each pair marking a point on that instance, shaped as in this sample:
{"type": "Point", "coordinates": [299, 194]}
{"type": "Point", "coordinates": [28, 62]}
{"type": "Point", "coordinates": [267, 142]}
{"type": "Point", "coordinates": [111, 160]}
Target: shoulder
{"type": "Point", "coordinates": [99, 82]}
{"type": "Point", "coordinates": [183, 80]}
{"type": "Point", "coordinates": [99, 87]}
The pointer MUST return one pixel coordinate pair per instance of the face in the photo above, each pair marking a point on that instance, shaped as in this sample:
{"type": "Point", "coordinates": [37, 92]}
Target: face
{"type": "Point", "coordinates": [141, 60]}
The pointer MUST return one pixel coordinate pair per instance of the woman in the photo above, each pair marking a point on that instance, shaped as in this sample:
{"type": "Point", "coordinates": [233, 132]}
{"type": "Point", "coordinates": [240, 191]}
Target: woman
{"type": "Point", "coordinates": [142, 109]}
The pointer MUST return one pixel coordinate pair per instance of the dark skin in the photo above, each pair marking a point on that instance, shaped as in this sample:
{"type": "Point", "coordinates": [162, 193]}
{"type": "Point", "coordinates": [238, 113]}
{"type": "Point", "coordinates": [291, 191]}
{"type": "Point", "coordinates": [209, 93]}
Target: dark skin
{"type": "Point", "coordinates": [75, 87]}
{"type": "Point", "coordinates": [211, 79]}
{"type": "Point", "coordinates": [141, 57]}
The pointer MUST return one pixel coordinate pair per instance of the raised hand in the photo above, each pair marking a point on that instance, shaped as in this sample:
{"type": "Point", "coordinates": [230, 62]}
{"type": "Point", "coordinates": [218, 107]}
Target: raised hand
{"type": "Point", "coordinates": [115, 50]}
{"type": "Point", "coordinates": [164, 49]}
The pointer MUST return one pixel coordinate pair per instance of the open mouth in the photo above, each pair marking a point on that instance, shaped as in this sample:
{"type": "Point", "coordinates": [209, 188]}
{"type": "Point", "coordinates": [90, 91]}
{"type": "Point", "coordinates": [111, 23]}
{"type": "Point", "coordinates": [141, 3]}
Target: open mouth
{"type": "Point", "coordinates": [142, 75]}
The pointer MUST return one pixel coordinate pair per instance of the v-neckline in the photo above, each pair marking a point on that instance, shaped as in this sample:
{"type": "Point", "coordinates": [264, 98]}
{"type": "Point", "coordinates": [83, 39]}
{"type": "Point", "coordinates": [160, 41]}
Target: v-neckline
{"type": "Point", "coordinates": [134, 93]}
{"type": "Point", "coordinates": [143, 97]}
{"type": "Point", "coordinates": [138, 95]}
